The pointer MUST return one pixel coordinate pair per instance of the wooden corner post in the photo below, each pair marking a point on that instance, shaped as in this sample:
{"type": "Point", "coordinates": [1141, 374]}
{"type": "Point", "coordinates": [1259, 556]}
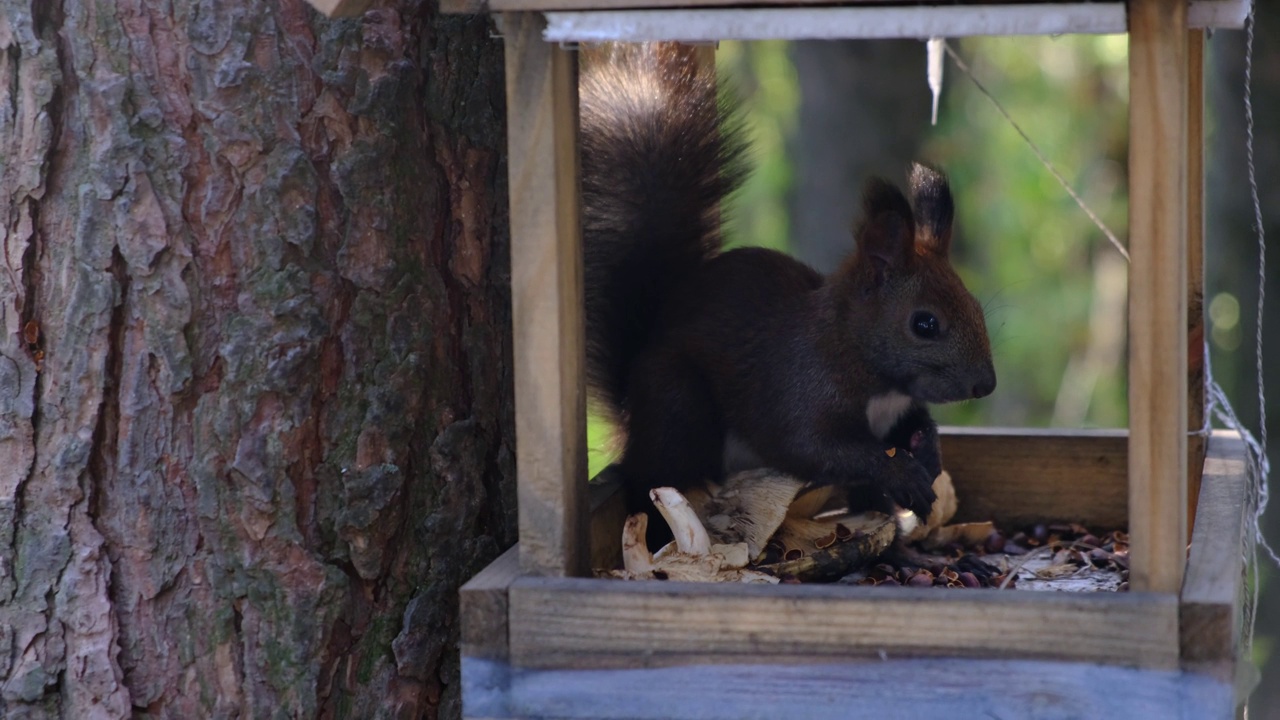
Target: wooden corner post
{"type": "Point", "coordinates": [546, 295]}
{"type": "Point", "coordinates": [1158, 73]}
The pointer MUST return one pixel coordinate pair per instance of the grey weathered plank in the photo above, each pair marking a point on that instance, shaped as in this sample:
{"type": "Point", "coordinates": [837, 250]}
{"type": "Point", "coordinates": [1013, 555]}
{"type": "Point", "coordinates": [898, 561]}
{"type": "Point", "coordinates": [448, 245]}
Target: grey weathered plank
{"type": "Point", "coordinates": [988, 17]}
{"type": "Point", "coordinates": [472, 6]}
{"type": "Point", "coordinates": [919, 688]}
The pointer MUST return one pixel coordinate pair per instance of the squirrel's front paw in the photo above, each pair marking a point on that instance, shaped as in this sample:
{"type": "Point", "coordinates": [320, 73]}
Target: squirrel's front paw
{"type": "Point", "coordinates": [910, 486]}
{"type": "Point", "coordinates": [924, 448]}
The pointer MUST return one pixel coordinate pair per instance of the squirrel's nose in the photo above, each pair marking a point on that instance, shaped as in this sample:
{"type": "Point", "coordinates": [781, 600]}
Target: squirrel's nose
{"type": "Point", "coordinates": [986, 385]}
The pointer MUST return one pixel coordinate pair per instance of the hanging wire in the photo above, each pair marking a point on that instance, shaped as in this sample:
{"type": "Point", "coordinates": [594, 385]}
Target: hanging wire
{"type": "Point", "coordinates": [960, 63]}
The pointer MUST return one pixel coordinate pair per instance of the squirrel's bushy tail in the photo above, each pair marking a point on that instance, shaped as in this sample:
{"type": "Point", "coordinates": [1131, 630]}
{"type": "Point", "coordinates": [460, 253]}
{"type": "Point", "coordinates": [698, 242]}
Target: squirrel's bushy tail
{"type": "Point", "coordinates": [659, 151]}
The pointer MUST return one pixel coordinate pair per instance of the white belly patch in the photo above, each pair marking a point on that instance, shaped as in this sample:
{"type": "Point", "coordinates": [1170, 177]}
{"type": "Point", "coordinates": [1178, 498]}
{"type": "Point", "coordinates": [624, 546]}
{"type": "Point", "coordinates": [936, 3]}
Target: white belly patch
{"type": "Point", "coordinates": [884, 410]}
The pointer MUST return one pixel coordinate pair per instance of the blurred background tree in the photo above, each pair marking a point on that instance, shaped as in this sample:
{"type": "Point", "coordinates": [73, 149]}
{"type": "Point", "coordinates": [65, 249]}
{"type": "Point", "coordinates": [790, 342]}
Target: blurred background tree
{"type": "Point", "coordinates": [826, 115]}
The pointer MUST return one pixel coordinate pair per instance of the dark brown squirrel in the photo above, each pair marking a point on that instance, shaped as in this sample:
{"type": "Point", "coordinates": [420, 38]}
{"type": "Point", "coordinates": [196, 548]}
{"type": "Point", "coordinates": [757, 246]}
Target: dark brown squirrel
{"type": "Point", "coordinates": [708, 355]}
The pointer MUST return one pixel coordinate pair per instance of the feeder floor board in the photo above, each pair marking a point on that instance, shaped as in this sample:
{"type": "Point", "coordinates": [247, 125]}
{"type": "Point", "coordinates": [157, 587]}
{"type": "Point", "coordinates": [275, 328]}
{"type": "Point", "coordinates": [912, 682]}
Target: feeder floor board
{"type": "Point", "coordinates": [893, 688]}
{"type": "Point", "coordinates": [597, 623]}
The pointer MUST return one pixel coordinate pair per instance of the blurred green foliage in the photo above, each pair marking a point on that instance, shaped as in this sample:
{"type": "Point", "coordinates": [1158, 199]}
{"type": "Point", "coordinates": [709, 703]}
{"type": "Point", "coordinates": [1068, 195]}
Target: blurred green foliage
{"type": "Point", "coordinates": [761, 74]}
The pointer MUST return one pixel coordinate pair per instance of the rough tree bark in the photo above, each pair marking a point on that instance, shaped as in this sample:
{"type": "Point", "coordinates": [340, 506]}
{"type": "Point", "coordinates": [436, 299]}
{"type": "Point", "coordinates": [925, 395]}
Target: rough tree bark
{"type": "Point", "coordinates": [255, 402]}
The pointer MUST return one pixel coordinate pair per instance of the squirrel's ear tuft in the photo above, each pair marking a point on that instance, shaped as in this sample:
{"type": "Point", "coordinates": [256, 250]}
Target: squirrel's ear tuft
{"type": "Point", "coordinates": [934, 209]}
{"type": "Point", "coordinates": [886, 236]}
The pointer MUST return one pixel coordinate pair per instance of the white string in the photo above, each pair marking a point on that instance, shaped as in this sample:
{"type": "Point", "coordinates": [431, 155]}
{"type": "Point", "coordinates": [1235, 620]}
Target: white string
{"type": "Point", "coordinates": [1262, 464]}
{"type": "Point", "coordinates": [1250, 26]}
{"type": "Point", "coordinates": [1036, 149]}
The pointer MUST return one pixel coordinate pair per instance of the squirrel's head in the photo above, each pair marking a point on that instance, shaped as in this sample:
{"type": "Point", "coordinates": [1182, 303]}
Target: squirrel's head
{"type": "Point", "coordinates": [917, 325]}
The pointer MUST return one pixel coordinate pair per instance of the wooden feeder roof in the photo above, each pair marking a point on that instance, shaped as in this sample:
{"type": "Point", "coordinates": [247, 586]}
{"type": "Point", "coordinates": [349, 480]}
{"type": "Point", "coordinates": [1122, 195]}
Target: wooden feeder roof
{"type": "Point", "coordinates": [710, 20]}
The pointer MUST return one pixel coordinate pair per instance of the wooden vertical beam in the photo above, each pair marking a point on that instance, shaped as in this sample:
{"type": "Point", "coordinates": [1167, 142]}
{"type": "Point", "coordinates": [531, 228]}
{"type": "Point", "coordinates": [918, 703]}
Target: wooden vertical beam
{"type": "Point", "coordinates": [1196, 444]}
{"type": "Point", "coordinates": [1157, 293]}
{"type": "Point", "coordinates": [546, 295]}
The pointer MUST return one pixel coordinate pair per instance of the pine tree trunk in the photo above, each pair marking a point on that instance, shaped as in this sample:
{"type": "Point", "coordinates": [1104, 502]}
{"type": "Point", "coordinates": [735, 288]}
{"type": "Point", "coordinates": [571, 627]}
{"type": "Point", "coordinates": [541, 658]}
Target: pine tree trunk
{"type": "Point", "coordinates": [255, 400]}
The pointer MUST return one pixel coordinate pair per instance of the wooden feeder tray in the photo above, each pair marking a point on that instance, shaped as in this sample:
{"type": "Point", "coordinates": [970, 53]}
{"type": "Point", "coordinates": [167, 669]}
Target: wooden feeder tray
{"type": "Point", "coordinates": [1016, 478]}
{"type": "Point", "coordinates": [551, 628]}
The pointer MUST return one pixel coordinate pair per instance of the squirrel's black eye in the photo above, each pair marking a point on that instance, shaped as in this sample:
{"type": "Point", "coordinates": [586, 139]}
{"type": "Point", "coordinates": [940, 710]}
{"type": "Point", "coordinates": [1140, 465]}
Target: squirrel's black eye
{"type": "Point", "coordinates": [925, 325]}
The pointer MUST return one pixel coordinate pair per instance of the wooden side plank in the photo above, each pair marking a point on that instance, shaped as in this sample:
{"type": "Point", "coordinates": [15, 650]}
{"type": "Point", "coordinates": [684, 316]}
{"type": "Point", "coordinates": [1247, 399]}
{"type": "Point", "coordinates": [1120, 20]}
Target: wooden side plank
{"type": "Point", "coordinates": [1196, 443]}
{"type": "Point", "coordinates": [982, 17]}
{"type": "Point", "coordinates": [483, 608]}
{"type": "Point", "coordinates": [583, 623]}
{"type": "Point", "coordinates": [546, 295]}
{"type": "Point", "coordinates": [1018, 477]}
{"type": "Point", "coordinates": [1157, 293]}
{"type": "Point", "coordinates": [1015, 477]}
{"type": "Point", "coordinates": [915, 688]}
{"type": "Point", "coordinates": [1212, 592]}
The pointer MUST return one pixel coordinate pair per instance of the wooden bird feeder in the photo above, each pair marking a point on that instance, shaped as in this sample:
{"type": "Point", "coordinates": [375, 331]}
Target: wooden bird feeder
{"type": "Point", "coordinates": [541, 638]}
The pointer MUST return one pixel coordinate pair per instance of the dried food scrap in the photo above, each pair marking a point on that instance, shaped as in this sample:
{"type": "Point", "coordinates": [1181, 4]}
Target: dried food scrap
{"type": "Point", "coordinates": [690, 557]}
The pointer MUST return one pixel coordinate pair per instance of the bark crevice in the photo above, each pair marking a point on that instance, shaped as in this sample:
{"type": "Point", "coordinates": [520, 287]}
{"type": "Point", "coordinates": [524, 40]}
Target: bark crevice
{"type": "Point", "coordinates": [103, 443]}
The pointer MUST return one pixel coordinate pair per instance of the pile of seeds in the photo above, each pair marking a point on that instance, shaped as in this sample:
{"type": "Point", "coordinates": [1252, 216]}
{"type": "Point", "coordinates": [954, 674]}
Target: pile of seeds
{"type": "Point", "coordinates": [1045, 557]}
{"type": "Point", "coordinates": [775, 551]}
{"type": "Point", "coordinates": [934, 576]}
